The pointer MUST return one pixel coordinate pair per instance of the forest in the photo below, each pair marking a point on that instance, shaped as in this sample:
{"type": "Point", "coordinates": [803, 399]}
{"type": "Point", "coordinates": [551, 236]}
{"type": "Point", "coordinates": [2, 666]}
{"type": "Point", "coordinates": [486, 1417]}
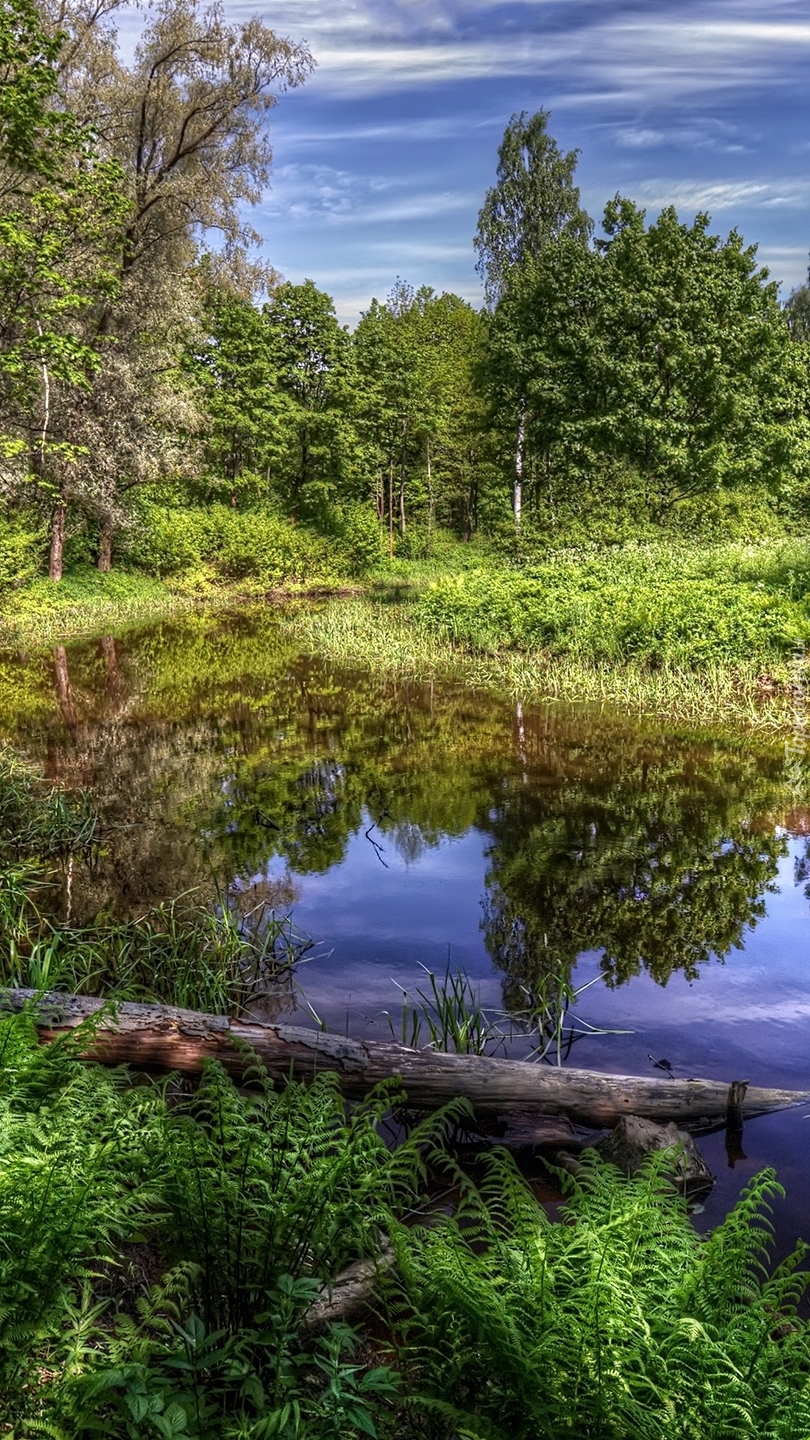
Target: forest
{"type": "Point", "coordinates": [354, 555]}
{"type": "Point", "coordinates": [170, 405]}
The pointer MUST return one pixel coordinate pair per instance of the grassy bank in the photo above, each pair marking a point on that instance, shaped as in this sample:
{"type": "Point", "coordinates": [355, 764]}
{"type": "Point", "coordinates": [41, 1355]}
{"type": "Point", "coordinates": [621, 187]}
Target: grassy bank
{"type": "Point", "coordinates": [84, 603]}
{"type": "Point", "coordinates": [397, 639]}
{"type": "Point", "coordinates": [704, 634]}
{"type": "Point", "coordinates": [699, 634]}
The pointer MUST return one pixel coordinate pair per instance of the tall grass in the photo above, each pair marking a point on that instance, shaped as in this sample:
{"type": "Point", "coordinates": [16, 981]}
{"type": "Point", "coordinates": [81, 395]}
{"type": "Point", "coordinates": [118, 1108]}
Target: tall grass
{"type": "Point", "coordinates": [220, 959]}
{"type": "Point", "coordinates": [84, 603]}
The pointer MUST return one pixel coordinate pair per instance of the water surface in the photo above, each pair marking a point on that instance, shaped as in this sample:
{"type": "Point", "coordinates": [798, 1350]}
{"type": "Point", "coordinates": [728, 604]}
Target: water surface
{"type": "Point", "coordinates": [408, 826]}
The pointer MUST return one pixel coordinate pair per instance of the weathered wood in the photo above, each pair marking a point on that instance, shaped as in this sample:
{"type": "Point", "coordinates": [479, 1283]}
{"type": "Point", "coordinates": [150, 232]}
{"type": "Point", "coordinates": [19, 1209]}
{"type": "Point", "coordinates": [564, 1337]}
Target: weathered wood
{"type": "Point", "coordinates": [161, 1037]}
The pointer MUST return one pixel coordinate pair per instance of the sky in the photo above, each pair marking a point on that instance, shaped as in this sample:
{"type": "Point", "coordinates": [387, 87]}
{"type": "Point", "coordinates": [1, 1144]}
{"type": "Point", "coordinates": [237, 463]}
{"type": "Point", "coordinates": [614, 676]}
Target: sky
{"type": "Point", "coordinates": [383, 158]}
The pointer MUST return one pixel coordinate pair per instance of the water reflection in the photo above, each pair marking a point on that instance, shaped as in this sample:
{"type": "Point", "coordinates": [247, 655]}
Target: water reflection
{"type": "Point", "coordinates": [219, 752]}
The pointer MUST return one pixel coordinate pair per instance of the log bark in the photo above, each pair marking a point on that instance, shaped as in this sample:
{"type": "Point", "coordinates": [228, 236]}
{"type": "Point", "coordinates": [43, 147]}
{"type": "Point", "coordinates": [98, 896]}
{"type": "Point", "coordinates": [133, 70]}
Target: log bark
{"type": "Point", "coordinates": [161, 1037]}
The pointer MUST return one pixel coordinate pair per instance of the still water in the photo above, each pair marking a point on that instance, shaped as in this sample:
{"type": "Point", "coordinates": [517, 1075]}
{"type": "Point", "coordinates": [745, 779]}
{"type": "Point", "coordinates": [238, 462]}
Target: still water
{"type": "Point", "coordinates": [406, 826]}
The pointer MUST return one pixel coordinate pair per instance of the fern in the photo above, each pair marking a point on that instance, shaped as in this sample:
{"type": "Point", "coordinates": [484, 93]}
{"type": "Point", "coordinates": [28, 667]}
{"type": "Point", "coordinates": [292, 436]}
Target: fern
{"type": "Point", "coordinates": [618, 1322]}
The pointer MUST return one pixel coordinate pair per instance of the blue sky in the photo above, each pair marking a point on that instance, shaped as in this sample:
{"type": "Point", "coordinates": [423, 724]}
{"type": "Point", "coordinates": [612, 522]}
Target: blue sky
{"type": "Point", "coordinates": [383, 158]}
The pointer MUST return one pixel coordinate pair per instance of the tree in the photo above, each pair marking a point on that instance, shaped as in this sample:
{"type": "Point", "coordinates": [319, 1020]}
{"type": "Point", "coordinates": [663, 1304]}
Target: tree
{"type": "Point", "coordinates": [311, 437]}
{"type": "Point", "coordinates": [187, 126]}
{"type": "Point", "coordinates": [533, 204]}
{"type": "Point", "coordinates": [797, 308]}
{"type": "Point", "coordinates": [701, 387]}
{"type": "Point", "coordinates": [60, 218]}
{"type": "Point", "coordinates": [421, 411]}
{"type": "Point", "coordinates": [660, 362]}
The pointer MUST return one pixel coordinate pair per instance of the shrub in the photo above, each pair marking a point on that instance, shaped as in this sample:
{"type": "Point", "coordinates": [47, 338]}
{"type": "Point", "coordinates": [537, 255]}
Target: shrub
{"type": "Point", "coordinates": [228, 545]}
{"type": "Point", "coordinates": [21, 549]}
{"type": "Point", "coordinates": [687, 609]}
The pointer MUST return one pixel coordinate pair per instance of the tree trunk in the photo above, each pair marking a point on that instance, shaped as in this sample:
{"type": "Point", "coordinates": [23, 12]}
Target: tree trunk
{"type": "Point", "coordinates": [64, 690]}
{"type": "Point", "coordinates": [161, 1037]}
{"type": "Point", "coordinates": [391, 505]}
{"type": "Point", "coordinates": [57, 551]}
{"type": "Point", "coordinates": [105, 545]}
{"type": "Point", "coordinates": [402, 482]}
{"type": "Point", "coordinates": [517, 488]}
{"type": "Point", "coordinates": [431, 499]}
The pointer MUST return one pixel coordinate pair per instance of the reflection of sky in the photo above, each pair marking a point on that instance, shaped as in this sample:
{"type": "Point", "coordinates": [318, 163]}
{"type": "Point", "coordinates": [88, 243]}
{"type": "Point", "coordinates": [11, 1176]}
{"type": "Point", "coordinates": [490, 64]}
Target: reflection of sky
{"type": "Point", "coordinates": [382, 159]}
{"type": "Point", "coordinates": [750, 1014]}
{"type": "Point", "coordinates": [748, 1018]}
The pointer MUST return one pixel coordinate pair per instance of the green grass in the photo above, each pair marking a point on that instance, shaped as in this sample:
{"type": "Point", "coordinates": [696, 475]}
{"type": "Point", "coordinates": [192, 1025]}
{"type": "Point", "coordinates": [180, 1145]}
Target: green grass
{"type": "Point", "coordinates": [686, 608]}
{"type": "Point", "coordinates": [701, 634]}
{"type": "Point", "coordinates": [83, 603]}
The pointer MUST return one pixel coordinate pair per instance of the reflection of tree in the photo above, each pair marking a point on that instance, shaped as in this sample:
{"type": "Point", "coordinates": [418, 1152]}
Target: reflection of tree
{"type": "Point", "coordinates": [656, 864]}
{"type": "Point", "coordinates": [214, 747]}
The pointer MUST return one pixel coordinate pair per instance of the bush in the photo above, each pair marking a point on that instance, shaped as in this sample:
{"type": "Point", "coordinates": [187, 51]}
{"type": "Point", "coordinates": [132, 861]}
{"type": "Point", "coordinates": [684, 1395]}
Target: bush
{"type": "Point", "coordinates": [228, 545]}
{"type": "Point", "coordinates": [21, 549]}
{"type": "Point", "coordinates": [361, 539]}
{"type": "Point", "coordinates": [688, 609]}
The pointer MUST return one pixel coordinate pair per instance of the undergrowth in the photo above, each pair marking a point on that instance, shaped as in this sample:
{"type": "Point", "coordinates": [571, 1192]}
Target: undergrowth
{"type": "Point", "coordinates": [685, 608]}
{"type": "Point", "coordinates": [620, 1322]}
{"type": "Point", "coordinates": [160, 1249]}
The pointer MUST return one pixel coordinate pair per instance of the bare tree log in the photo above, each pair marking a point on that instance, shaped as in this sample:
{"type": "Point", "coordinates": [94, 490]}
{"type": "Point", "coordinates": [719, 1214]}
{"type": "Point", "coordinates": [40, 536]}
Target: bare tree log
{"type": "Point", "coordinates": [160, 1037]}
{"type": "Point", "coordinates": [351, 1291]}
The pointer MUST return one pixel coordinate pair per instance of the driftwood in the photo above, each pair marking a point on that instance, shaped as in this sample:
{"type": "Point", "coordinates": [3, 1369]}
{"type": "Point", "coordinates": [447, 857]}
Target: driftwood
{"type": "Point", "coordinates": [160, 1037]}
{"type": "Point", "coordinates": [351, 1291]}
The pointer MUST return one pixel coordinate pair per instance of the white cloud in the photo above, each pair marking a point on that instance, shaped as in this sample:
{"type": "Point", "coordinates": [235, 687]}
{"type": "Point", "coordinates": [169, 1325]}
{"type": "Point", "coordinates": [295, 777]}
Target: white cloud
{"type": "Point", "coordinates": [721, 195]}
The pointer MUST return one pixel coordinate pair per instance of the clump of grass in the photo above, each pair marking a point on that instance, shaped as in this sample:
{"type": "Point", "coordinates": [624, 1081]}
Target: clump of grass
{"type": "Point", "coordinates": [178, 953]}
{"type": "Point", "coordinates": [449, 1018]}
{"type": "Point", "coordinates": [221, 960]}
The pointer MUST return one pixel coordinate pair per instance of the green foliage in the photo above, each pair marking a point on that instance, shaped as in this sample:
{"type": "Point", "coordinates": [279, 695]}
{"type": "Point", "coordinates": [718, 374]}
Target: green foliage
{"type": "Point", "coordinates": [656, 607]}
{"type": "Point", "coordinates": [218, 544]}
{"type": "Point", "coordinates": [86, 602]}
{"type": "Point", "coordinates": [20, 551]}
{"type": "Point", "coordinates": [618, 1322]}
{"type": "Point", "coordinates": [655, 367]}
{"type": "Point", "coordinates": [159, 1255]}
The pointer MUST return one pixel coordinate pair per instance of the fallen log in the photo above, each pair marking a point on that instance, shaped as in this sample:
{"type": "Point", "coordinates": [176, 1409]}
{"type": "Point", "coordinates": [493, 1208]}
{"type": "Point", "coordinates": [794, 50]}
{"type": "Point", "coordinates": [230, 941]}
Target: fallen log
{"type": "Point", "coordinates": [161, 1037]}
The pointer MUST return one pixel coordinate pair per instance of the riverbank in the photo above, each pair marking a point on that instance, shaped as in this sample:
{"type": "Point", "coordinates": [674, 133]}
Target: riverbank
{"type": "Point", "coordinates": [698, 634]}
{"type": "Point", "coordinates": [396, 639]}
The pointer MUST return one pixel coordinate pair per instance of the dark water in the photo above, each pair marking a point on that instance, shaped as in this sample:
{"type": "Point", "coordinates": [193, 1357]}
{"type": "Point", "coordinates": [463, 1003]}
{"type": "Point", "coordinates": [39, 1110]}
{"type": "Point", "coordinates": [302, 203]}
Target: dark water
{"type": "Point", "coordinates": [409, 826]}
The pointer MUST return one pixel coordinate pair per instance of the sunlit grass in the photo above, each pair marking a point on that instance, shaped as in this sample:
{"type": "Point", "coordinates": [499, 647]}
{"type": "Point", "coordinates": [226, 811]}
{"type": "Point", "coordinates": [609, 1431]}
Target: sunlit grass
{"type": "Point", "coordinates": [84, 603]}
